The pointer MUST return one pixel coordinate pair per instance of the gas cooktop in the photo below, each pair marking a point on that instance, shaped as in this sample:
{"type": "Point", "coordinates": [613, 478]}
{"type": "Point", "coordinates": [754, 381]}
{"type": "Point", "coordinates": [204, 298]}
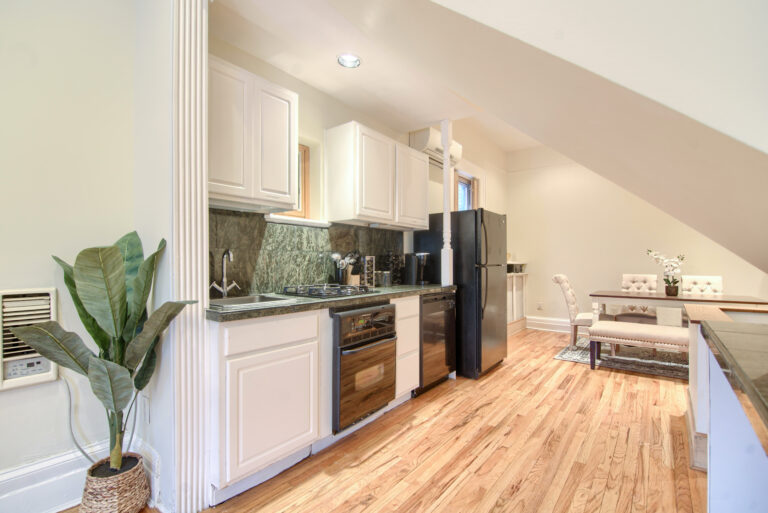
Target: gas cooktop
{"type": "Point", "coordinates": [328, 290]}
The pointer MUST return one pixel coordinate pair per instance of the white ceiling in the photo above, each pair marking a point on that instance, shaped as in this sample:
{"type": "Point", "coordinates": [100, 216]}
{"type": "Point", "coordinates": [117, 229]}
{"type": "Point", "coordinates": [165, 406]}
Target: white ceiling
{"type": "Point", "coordinates": [303, 38]}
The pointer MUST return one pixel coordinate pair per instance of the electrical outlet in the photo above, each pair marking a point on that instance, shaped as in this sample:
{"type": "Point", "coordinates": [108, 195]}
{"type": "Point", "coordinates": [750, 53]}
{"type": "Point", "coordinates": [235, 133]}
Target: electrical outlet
{"type": "Point", "coordinates": [540, 305]}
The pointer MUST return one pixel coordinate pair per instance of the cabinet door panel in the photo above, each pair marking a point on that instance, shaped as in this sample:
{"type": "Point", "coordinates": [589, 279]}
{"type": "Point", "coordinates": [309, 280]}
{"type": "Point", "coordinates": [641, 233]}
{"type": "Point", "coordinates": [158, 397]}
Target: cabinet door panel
{"type": "Point", "coordinates": [277, 172]}
{"type": "Point", "coordinates": [229, 104]}
{"type": "Point", "coordinates": [407, 335]}
{"type": "Point", "coordinates": [377, 175]}
{"type": "Point", "coordinates": [412, 188]}
{"type": "Point", "coordinates": [407, 373]}
{"type": "Point", "coordinates": [272, 406]}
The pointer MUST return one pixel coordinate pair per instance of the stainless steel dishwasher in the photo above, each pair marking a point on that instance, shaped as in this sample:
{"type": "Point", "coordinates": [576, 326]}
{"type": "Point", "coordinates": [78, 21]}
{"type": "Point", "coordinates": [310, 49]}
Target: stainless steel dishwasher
{"type": "Point", "coordinates": [438, 339]}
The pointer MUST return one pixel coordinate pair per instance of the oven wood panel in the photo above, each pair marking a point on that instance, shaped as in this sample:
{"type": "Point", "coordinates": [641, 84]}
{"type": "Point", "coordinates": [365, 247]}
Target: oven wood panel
{"type": "Point", "coordinates": [366, 381]}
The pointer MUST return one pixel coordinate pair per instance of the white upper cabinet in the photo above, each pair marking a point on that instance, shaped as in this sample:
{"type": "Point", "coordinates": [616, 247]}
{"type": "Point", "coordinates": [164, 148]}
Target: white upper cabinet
{"type": "Point", "coordinates": [359, 174]}
{"type": "Point", "coordinates": [376, 175]}
{"type": "Point", "coordinates": [412, 188]}
{"type": "Point", "coordinates": [365, 183]}
{"type": "Point", "coordinates": [229, 120]}
{"type": "Point", "coordinates": [253, 141]}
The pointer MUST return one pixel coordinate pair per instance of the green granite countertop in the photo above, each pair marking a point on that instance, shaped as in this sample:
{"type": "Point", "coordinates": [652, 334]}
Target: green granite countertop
{"type": "Point", "coordinates": [741, 350]}
{"type": "Point", "coordinates": [301, 304]}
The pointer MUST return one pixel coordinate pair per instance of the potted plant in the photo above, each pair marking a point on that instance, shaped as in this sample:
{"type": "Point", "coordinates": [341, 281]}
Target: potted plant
{"type": "Point", "coordinates": [110, 287]}
{"type": "Point", "coordinates": [671, 269]}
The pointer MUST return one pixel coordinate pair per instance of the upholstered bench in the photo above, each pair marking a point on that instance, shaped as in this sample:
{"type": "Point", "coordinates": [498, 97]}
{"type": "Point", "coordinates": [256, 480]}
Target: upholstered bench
{"type": "Point", "coordinates": [635, 334]}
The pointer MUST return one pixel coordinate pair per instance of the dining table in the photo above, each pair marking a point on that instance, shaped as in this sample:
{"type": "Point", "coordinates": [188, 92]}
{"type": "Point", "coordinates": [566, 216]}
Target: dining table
{"type": "Point", "coordinates": [659, 299]}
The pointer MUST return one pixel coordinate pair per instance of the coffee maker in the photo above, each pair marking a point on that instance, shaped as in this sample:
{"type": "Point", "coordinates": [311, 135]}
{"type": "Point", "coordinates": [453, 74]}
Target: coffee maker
{"type": "Point", "coordinates": [415, 265]}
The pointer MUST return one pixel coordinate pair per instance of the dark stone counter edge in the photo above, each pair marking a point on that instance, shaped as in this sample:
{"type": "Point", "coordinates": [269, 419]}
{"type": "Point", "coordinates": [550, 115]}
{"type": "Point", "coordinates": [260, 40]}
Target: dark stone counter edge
{"type": "Point", "coordinates": [736, 376]}
{"type": "Point", "coordinates": [319, 304]}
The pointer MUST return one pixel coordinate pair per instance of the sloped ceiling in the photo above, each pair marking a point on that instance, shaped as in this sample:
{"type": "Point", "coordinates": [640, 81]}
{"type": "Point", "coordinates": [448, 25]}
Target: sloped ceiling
{"type": "Point", "coordinates": [707, 60]}
{"type": "Point", "coordinates": [435, 63]}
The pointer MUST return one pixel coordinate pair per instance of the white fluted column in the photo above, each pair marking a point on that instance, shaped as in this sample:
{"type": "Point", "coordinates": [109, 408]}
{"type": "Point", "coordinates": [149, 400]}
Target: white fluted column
{"type": "Point", "coordinates": [446, 254]}
{"type": "Point", "coordinates": [190, 252]}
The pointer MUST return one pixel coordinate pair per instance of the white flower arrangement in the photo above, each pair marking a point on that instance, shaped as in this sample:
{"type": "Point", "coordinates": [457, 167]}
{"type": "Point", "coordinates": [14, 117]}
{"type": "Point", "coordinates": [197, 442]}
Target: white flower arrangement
{"type": "Point", "coordinates": [671, 266]}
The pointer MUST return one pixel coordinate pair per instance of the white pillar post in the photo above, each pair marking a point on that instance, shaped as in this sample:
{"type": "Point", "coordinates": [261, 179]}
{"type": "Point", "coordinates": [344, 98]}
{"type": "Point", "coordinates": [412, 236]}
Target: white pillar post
{"type": "Point", "coordinates": [446, 254]}
{"type": "Point", "coordinates": [189, 257]}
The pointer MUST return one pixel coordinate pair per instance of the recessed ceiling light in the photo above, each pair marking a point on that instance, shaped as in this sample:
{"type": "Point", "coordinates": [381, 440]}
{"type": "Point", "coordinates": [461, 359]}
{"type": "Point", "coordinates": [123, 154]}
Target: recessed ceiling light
{"type": "Point", "coordinates": [348, 60]}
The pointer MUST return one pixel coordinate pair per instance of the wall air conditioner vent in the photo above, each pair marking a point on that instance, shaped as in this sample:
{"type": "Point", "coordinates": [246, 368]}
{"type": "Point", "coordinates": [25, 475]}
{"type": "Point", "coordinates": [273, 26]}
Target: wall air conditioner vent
{"type": "Point", "coordinates": [20, 364]}
{"type": "Point", "coordinates": [429, 141]}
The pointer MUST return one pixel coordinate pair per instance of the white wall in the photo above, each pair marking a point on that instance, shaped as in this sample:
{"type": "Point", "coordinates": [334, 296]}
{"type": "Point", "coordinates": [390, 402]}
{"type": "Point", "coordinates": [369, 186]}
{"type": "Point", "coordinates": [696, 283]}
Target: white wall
{"type": "Point", "coordinates": [705, 59]}
{"type": "Point", "coordinates": [153, 220]}
{"type": "Point", "coordinates": [66, 155]}
{"type": "Point", "coordinates": [564, 218]}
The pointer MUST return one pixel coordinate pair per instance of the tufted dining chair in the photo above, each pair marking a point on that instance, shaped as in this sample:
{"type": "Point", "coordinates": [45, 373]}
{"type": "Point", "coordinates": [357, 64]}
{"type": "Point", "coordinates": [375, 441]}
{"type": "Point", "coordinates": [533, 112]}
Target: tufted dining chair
{"type": "Point", "coordinates": [702, 285]}
{"type": "Point", "coordinates": [637, 313]}
{"type": "Point", "coordinates": [577, 319]}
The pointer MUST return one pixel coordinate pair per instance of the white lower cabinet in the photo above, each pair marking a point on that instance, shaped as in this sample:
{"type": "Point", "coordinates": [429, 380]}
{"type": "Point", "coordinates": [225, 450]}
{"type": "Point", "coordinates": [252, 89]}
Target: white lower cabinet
{"type": "Point", "coordinates": [407, 373]}
{"type": "Point", "coordinates": [271, 406]}
{"type": "Point", "coordinates": [265, 400]}
{"type": "Point", "coordinates": [408, 325]}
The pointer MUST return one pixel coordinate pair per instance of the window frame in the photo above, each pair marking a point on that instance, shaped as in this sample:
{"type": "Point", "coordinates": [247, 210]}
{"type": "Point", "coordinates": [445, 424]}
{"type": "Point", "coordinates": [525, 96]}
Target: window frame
{"type": "Point", "coordinates": [303, 210]}
{"type": "Point", "coordinates": [472, 183]}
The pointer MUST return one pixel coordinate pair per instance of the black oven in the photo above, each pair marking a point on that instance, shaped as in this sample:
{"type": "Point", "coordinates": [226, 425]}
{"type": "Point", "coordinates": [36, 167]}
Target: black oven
{"type": "Point", "coordinates": [364, 351]}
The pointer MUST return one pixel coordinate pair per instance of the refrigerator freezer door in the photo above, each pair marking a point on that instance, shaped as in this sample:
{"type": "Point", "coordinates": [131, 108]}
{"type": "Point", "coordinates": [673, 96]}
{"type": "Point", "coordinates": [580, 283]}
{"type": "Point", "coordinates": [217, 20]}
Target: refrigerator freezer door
{"type": "Point", "coordinates": [493, 323]}
{"type": "Point", "coordinates": [492, 235]}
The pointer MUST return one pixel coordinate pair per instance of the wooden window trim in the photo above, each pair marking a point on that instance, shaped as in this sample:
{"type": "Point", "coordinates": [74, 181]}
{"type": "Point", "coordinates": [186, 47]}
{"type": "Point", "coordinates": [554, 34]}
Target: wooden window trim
{"type": "Point", "coordinates": [473, 184]}
{"type": "Point", "coordinates": [303, 210]}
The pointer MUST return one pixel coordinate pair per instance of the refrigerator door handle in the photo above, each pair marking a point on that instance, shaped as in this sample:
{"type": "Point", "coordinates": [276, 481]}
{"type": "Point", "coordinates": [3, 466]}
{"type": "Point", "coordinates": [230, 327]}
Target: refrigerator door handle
{"type": "Point", "coordinates": [485, 241]}
{"type": "Point", "coordinates": [485, 292]}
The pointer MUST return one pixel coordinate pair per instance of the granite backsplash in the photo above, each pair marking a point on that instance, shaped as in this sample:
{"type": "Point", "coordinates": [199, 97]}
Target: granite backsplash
{"type": "Point", "coordinates": [269, 256]}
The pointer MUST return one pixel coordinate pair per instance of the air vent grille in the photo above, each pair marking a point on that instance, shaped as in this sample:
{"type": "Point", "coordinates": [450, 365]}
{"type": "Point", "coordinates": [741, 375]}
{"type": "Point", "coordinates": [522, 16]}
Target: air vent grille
{"type": "Point", "coordinates": [22, 310]}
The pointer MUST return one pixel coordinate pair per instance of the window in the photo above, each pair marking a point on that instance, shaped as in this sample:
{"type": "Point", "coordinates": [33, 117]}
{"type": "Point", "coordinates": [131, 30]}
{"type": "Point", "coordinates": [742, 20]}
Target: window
{"type": "Point", "coordinates": [464, 192]}
{"type": "Point", "coordinates": [303, 210]}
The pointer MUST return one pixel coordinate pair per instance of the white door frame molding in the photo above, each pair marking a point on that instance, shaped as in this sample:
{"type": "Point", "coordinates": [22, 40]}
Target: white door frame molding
{"type": "Point", "coordinates": [190, 252]}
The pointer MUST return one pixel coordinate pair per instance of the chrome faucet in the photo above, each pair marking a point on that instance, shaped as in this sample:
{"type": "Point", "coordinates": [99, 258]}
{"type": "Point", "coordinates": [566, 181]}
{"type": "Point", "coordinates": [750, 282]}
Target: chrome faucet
{"type": "Point", "coordinates": [224, 288]}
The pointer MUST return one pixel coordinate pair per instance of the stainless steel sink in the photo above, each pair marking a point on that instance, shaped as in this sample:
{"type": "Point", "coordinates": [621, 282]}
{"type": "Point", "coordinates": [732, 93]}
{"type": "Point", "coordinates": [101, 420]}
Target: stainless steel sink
{"type": "Point", "coordinates": [230, 304]}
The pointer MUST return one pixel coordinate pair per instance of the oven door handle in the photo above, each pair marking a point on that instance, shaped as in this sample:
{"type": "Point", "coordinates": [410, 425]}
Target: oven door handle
{"type": "Point", "coordinates": [370, 346]}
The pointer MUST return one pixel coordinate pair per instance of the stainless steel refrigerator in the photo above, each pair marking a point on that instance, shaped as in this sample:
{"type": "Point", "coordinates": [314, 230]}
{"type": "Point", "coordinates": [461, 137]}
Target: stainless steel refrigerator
{"type": "Point", "coordinates": [479, 242]}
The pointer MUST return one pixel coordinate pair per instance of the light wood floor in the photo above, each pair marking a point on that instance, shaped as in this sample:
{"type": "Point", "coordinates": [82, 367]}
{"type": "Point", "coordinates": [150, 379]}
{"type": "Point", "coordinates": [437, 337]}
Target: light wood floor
{"type": "Point", "coordinates": [535, 435]}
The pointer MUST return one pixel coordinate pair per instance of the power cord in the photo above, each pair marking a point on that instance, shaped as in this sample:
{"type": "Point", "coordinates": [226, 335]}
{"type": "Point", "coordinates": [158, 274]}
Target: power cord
{"type": "Point", "coordinates": [72, 430]}
{"type": "Point", "coordinates": [69, 423]}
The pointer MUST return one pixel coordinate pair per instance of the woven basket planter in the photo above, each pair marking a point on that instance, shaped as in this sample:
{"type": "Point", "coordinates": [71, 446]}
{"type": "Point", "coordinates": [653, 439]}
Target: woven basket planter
{"type": "Point", "coordinates": [126, 492]}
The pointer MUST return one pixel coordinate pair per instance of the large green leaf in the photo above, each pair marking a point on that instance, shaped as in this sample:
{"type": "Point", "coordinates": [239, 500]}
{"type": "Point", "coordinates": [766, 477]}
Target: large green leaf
{"type": "Point", "coordinates": [99, 335]}
{"type": "Point", "coordinates": [147, 368]}
{"type": "Point", "coordinates": [60, 346]}
{"type": "Point", "coordinates": [153, 328]}
{"type": "Point", "coordinates": [111, 383]}
{"type": "Point", "coordinates": [142, 285]}
{"type": "Point", "coordinates": [133, 255]}
{"type": "Point", "coordinates": [100, 282]}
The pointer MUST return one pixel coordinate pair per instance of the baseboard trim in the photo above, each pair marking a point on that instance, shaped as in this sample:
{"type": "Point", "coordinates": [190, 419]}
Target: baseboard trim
{"type": "Point", "coordinates": [48, 485]}
{"type": "Point", "coordinates": [558, 324]}
{"type": "Point", "coordinates": [54, 484]}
